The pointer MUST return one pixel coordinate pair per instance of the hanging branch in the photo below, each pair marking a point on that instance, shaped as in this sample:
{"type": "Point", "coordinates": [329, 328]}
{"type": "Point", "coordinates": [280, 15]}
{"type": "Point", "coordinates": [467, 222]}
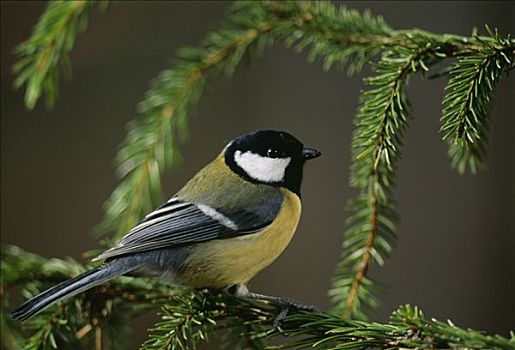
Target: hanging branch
{"type": "Point", "coordinates": [40, 56]}
{"type": "Point", "coordinates": [471, 87]}
{"type": "Point", "coordinates": [380, 125]}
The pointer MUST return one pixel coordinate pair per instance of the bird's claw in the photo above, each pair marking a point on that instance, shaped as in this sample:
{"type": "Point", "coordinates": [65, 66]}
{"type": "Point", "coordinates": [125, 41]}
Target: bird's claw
{"type": "Point", "coordinates": [280, 316]}
{"type": "Point", "coordinates": [287, 305]}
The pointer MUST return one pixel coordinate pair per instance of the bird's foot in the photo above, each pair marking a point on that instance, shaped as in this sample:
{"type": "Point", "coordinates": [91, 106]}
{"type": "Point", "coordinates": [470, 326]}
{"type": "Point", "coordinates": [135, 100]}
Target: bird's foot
{"type": "Point", "coordinates": [286, 304]}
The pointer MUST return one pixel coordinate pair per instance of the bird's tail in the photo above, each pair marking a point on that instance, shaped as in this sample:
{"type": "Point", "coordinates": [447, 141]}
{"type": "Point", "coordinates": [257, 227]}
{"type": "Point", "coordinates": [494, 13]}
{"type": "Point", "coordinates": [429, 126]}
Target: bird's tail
{"type": "Point", "coordinates": [71, 287]}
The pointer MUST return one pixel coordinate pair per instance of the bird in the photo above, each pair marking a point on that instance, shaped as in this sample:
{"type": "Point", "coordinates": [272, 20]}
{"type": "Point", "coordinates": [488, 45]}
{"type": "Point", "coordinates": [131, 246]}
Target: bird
{"type": "Point", "coordinates": [230, 221]}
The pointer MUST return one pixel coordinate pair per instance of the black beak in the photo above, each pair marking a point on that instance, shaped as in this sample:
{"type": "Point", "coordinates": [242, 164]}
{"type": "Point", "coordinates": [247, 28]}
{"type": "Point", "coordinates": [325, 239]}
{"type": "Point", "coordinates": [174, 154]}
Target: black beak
{"type": "Point", "coordinates": [310, 153]}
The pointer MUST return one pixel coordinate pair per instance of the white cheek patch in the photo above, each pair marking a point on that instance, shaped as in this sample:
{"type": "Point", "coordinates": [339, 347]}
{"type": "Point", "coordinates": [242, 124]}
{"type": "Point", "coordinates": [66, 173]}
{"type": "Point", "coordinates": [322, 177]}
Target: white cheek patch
{"type": "Point", "coordinates": [261, 168]}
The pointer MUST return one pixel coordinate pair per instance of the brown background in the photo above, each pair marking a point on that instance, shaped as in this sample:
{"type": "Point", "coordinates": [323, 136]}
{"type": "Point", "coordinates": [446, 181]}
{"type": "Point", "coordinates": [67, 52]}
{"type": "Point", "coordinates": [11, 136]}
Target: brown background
{"type": "Point", "coordinates": [455, 254]}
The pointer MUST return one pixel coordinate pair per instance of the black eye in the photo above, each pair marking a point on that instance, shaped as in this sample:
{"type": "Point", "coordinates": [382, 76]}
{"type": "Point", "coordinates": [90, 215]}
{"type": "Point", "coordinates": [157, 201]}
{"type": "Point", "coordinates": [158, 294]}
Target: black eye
{"type": "Point", "coordinates": [272, 153]}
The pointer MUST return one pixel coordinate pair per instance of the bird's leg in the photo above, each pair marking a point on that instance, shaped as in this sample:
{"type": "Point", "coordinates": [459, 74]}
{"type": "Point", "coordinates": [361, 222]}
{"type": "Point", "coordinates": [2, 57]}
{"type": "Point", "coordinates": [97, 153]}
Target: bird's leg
{"type": "Point", "coordinates": [282, 301]}
{"type": "Point", "coordinates": [286, 303]}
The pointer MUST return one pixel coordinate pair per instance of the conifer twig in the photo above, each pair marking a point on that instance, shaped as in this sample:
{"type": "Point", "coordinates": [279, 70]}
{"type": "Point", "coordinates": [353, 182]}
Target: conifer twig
{"type": "Point", "coordinates": [39, 57]}
{"type": "Point", "coordinates": [473, 78]}
{"type": "Point", "coordinates": [380, 123]}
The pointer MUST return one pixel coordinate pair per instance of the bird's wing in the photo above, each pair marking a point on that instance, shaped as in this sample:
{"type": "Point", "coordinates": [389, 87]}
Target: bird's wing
{"type": "Point", "coordinates": [179, 222]}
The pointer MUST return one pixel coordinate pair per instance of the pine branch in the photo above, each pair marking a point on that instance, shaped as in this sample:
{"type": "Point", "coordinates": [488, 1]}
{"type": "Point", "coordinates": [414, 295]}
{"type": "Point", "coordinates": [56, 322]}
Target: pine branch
{"type": "Point", "coordinates": [469, 94]}
{"type": "Point", "coordinates": [407, 329]}
{"type": "Point", "coordinates": [40, 56]}
{"type": "Point", "coordinates": [341, 36]}
{"type": "Point", "coordinates": [184, 324]}
{"type": "Point", "coordinates": [337, 35]}
{"type": "Point", "coordinates": [380, 124]}
{"type": "Point", "coordinates": [189, 316]}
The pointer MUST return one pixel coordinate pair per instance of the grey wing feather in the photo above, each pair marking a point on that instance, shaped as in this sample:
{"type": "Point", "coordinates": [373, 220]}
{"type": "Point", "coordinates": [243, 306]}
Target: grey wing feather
{"type": "Point", "coordinates": [178, 223]}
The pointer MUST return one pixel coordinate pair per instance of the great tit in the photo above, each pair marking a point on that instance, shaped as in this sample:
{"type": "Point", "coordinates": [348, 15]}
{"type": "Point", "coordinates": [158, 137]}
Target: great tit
{"type": "Point", "coordinates": [230, 221]}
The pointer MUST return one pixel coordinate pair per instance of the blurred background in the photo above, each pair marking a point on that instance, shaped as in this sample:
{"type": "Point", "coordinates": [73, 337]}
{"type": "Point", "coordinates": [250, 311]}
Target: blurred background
{"type": "Point", "coordinates": [455, 256]}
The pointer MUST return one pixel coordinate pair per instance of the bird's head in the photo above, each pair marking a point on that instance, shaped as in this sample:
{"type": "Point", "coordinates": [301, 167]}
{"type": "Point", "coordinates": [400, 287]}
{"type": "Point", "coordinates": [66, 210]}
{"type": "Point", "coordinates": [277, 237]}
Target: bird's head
{"type": "Point", "coordinates": [269, 157]}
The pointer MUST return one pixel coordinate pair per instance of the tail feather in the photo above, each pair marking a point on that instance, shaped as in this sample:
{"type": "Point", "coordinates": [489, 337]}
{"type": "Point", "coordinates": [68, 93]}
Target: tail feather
{"type": "Point", "coordinates": [71, 287]}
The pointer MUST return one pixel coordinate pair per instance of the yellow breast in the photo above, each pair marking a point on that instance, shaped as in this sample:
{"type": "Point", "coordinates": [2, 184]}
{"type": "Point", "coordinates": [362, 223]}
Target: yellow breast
{"type": "Point", "coordinates": [220, 263]}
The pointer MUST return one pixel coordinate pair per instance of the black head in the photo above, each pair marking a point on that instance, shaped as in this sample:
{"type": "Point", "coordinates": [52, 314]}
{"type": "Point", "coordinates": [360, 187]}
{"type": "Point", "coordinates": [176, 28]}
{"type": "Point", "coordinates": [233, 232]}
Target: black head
{"type": "Point", "coordinates": [269, 157]}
